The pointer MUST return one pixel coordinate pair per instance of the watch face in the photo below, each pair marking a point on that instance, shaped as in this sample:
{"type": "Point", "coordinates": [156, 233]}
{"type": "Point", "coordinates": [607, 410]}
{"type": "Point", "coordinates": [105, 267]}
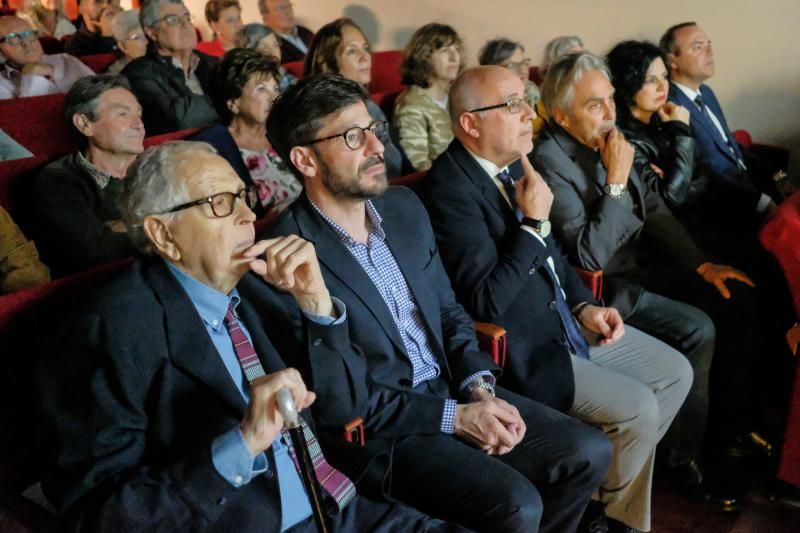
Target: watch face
{"type": "Point", "coordinates": [544, 228]}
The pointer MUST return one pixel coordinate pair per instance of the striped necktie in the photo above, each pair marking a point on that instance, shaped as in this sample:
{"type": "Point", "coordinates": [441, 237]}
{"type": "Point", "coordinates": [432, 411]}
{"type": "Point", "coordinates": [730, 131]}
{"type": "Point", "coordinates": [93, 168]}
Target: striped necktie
{"type": "Point", "coordinates": [336, 484]}
{"type": "Point", "coordinates": [508, 185]}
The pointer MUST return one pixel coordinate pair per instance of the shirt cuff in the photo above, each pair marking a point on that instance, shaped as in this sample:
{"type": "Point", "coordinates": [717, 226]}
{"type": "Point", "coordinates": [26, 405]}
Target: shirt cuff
{"type": "Point", "coordinates": [763, 202]}
{"type": "Point", "coordinates": [339, 310]}
{"type": "Point", "coordinates": [532, 232]}
{"type": "Point", "coordinates": [232, 459]}
{"type": "Point", "coordinates": [449, 417]}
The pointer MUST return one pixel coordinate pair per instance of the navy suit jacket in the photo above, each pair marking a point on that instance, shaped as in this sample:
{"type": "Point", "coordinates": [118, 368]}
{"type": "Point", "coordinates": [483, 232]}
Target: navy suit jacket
{"type": "Point", "coordinates": [712, 152]}
{"type": "Point", "coordinates": [133, 393]}
{"type": "Point", "coordinates": [394, 408]}
{"type": "Point", "coordinates": [498, 274]}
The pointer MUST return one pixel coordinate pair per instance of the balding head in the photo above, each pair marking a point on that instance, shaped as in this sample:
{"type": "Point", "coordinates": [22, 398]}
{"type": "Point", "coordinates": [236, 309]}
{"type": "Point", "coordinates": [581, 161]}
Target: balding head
{"type": "Point", "coordinates": [498, 134]}
{"type": "Point", "coordinates": [20, 47]}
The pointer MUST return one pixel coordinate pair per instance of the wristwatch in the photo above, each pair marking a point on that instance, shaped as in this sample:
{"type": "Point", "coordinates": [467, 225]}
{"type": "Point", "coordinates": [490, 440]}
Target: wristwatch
{"type": "Point", "coordinates": [479, 383]}
{"type": "Point", "coordinates": [542, 227]}
{"type": "Point", "coordinates": [615, 190]}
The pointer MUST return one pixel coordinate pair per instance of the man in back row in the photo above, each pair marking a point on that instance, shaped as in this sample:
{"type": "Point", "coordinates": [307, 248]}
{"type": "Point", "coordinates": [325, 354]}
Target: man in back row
{"type": "Point", "coordinates": [437, 437]}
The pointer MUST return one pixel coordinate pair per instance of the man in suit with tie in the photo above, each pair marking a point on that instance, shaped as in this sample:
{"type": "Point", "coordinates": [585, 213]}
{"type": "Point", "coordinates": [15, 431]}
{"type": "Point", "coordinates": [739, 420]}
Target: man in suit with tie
{"type": "Point", "coordinates": [494, 236]}
{"type": "Point", "coordinates": [440, 436]}
{"type": "Point", "coordinates": [738, 174]}
{"type": "Point", "coordinates": [158, 398]}
{"type": "Point", "coordinates": [609, 217]}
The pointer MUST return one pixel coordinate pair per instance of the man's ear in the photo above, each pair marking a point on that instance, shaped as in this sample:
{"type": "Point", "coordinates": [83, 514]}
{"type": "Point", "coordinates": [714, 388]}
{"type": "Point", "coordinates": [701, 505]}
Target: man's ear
{"type": "Point", "coordinates": [561, 118]}
{"type": "Point", "coordinates": [469, 122]}
{"type": "Point", "coordinates": [305, 160]}
{"type": "Point", "coordinates": [82, 124]}
{"type": "Point", "coordinates": [673, 66]}
{"type": "Point", "coordinates": [151, 33]}
{"type": "Point", "coordinates": [157, 231]}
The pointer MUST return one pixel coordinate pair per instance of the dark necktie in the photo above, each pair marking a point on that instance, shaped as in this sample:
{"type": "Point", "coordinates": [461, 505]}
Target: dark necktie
{"type": "Point", "coordinates": [702, 105]}
{"type": "Point", "coordinates": [508, 184]}
{"type": "Point", "coordinates": [575, 339]}
{"type": "Point", "coordinates": [334, 482]}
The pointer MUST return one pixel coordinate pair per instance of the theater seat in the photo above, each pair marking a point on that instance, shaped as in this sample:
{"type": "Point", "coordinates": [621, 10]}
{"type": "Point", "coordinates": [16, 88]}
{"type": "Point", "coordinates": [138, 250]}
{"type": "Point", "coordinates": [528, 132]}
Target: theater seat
{"type": "Point", "coordinates": [386, 72]}
{"type": "Point", "coordinates": [780, 235]}
{"type": "Point", "coordinates": [99, 62]}
{"type": "Point", "coordinates": [593, 279]}
{"type": "Point", "coordinates": [26, 317]}
{"type": "Point", "coordinates": [155, 140]}
{"type": "Point", "coordinates": [385, 101]}
{"type": "Point", "coordinates": [535, 75]}
{"type": "Point", "coordinates": [410, 180]}
{"type": "Point", "coordinates": [295, 68]}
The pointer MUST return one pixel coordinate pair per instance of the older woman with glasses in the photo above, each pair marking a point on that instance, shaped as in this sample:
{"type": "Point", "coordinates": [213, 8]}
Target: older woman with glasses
{"type": "Point", "coordinates": [511, 55]}
{"type": "Point", "coordinates": [243, 86]}
{"type": "Point", "coordinates": [431, 62]}
{"type": "Point", "coordinates": [340, 47]}
{"type": "Point", "coordinates": [130, 38]}
{"type": "Point", "coordinates": [263, 39]}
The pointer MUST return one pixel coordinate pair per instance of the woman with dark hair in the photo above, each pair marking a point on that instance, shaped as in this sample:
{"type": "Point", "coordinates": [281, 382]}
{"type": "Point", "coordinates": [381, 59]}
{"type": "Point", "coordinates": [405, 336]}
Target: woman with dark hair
{"type": "Point", "coordinates": [511, 55]}
{"type": "Point", "coordinates": [658, 129]}
{"type": "Point", "coordinates": [431, 62]}
{"type": "Point", "coordinates": [243, 85]}
{"type": "Point", "coordinates": [340, 47]}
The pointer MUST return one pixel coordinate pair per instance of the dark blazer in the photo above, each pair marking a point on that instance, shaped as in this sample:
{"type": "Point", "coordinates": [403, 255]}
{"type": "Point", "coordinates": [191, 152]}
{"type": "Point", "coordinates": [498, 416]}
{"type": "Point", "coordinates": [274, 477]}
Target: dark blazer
{"type": "Point", "coordinates": [290, 52]}
{"type": "Point", "coordinates": [394, 409]}
{"type": "Point", "coordinates": [84, 42]}
{"type": "Point", "coordinates": [712, 152]}
{"type": "Point", "coordinates": [497, 273]}
{"type": "Point", "coordinates": [167, 103]}
{"type": "Point", "coordinates": [220, 138]}
{"type": "Point", "coordinates": [133, 392]}
{"type": "Point", "coordinates": [601, 233]}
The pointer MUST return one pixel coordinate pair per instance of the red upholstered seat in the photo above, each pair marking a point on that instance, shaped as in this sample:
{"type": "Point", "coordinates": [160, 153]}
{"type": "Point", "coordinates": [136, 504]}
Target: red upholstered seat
{"type": "Point", "coordinates": [295, 68]}
{"type": "Point", "coordinates": [535, 75]}
{"type": "Point", "coordinates": [781, 236]}
{"type": "Point", "coordinates": [99, 62]}
{"type": "Point", "coordinates": [37, 124]}
{"type": "Point", "coordinates": [386, 72]}
{"type": "Point", "coordinates": [173, 136]}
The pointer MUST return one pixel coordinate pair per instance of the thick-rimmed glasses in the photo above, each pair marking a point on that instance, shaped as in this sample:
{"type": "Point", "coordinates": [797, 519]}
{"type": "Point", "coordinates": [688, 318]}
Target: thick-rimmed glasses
{"type": "Point", "coordinates": [223, 203]}
{"type": "Point", "coordinates": [17, 38]}
{"type": "Point", "coordinates": [174, 20]}
{"type": "Point", "coordinates": [514, 105]}
{"type": "Point", "coordinates": [355, 137]}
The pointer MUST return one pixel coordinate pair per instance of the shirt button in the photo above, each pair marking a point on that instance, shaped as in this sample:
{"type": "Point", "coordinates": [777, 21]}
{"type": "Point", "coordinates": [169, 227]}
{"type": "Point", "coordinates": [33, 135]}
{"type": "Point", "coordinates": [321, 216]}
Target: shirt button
{"type": "Point", "coordinates": [532, 271]}
{"type": "Point", "coordinates": [553, 305]}
{"type": "Point", "coordinates": [238, 480]}
{"type": "Point", "coordinates": [317, 341]}
{"type": "Point", "coordinates": [215, 323]}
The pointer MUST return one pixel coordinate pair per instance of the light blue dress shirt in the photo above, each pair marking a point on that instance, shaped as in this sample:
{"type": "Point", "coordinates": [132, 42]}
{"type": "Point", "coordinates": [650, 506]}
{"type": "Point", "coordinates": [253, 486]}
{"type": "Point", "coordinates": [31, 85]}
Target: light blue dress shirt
{"type": "Point", "coordinates": [229, 453]}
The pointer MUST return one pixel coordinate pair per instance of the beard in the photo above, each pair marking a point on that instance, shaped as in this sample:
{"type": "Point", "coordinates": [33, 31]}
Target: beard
{"type": "Point", "coordinates": [352, 187]}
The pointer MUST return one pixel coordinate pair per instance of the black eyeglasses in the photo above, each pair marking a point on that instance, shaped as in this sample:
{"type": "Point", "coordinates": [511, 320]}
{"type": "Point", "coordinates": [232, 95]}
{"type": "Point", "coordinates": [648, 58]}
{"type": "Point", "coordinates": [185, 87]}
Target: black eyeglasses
{"type": "Point", "coordinates": [174, 20]}
{"type": "Point", "coordinates": [355, 137]}
{"type": "Point", "coordinates": [222, 203]}
{"type": "Point", "coordinates": [514, 105]}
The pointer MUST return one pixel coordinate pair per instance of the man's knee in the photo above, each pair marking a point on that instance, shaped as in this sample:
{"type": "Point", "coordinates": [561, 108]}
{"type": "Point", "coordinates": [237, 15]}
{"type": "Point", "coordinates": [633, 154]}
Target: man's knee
{"type": "Point", "coordinates": [517, 506]}
{"type": "Point", "coordinates": [699, 335]}
{"type": "Point", "coordinates": [590, 456]}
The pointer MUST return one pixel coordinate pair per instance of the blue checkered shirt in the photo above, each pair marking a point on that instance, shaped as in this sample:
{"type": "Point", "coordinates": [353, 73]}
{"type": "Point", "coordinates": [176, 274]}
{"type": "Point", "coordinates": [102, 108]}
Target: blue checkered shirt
{"type": "Point", "coordinates": [377, 260]}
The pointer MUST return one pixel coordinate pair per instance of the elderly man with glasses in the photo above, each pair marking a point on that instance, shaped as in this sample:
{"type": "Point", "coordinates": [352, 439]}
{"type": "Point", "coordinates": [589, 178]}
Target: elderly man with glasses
{"type": "Point", "coordinates": [27, 71]}
{"type": "Point", "coordinates": [566, 350]}
{"type": "Point", "coordinates": [171, 79]}
{"type": "Point", "coordinates": [159, 396]}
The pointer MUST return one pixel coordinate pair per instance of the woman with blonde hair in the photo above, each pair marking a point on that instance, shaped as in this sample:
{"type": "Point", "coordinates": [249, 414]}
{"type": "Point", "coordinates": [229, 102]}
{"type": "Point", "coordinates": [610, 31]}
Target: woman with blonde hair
{"type": "Point", "coordinates": [47, 17]}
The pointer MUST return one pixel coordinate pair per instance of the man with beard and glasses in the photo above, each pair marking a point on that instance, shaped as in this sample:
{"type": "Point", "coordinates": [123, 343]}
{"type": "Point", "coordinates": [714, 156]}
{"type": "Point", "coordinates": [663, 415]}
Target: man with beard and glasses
{"type": "Point", "coordinates": [437, 437]}
{"type": "Point", "coordinates": [610, 217]}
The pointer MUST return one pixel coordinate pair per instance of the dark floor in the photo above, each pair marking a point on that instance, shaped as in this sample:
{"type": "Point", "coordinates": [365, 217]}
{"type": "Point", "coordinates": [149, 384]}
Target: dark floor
{"type": "Point", "coordinates": [673, 513]}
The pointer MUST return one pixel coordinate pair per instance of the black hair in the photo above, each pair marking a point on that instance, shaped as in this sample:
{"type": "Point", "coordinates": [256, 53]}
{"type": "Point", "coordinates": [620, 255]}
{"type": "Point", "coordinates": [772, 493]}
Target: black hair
{"type": "Point", "coordinates": [628, 62]}
{"type": "Point", "coordinates": [230, 76]}
{"type": "Point", "coordinates": [82, 98]}
{"type": "Point", "coordinates": [667, 42]}
{"type": "Point", "coordinates": [296, 115]}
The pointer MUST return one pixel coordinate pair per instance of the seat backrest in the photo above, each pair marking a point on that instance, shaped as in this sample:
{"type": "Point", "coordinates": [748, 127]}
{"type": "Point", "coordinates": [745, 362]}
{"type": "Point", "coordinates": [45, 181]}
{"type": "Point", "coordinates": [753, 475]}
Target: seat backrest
{"type": "Point", "coordinates": [410, 180]}
{"type": "Point", "coordinates": [535, 75]}
{"type": "Point", "coordinates": [99, 62]}
{"type": "Point", "coordinates": [386, 72]}
{"type": "Point", "coordinates": [780, 235]}
{"type": "Point", "coordinates": [295, 68]}
{"type": "Point", "coordinates": [37, 124]}
{"type": "Point", "coordinates": [51, 45]}
{"type": "Point", "coordinates": [386, 102]}
{"type": "Point", "coordinates": [25, 318]}
{"type": "Point", "coordinates": [155, 140]}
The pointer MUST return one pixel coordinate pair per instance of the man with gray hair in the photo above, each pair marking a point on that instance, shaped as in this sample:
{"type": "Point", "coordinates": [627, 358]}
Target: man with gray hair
{"type": "Point", "coordinates": [171, 80]}
{"type": "Point", "coordinates": [76, 221]}
{"type": "Point", "coordinates": [160, 394]}
{"type": "Point", "coordinates": [557, 48]}
{"type": "Point", "coordinates": [608, 216]}
{"type": "Point", "coordinates": [294, 39]}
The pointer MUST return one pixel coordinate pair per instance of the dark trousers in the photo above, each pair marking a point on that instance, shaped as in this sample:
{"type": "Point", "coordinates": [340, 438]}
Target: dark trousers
{"type": "Point", "coordinates": [544, 484]}
{"type": "Point", "coordinates": [691, 332]}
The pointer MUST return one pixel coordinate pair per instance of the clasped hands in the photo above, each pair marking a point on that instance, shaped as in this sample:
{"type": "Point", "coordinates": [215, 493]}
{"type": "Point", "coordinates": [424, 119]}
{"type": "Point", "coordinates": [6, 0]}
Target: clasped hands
{"type": "Point", "coordinates": [491, 424]}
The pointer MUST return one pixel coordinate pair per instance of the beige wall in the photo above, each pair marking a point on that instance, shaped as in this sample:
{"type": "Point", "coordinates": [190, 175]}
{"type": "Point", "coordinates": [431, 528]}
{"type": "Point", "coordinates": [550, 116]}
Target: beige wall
{"type": "Point", "coordinates": [757, 51]}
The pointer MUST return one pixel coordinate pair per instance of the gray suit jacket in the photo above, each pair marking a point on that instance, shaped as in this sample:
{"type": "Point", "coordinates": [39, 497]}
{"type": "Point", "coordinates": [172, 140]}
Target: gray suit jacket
{"type": "Point", "coordinates": [597, 232]}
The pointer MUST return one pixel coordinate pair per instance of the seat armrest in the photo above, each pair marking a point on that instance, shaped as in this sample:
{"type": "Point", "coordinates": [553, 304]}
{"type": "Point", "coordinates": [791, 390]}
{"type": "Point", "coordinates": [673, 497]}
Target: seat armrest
{"type": "Point", "coordinates": [593, 279]}
{"type": "Point", "coordinates": [492, 339]}
{"type": "Point", "coordinates": [354, 432]}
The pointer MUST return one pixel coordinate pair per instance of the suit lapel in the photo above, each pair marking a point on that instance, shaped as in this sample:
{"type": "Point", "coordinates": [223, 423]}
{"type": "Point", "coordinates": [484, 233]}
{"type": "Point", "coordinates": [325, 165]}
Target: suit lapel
{"type": "Point", "coordinates": [702, 120]}
{"type": "Point", "coordinates": [189, 345]}
{"type": "Point", "coordinates": [485, 183]}
{"type": "Point", "coordinates": [341, 264]}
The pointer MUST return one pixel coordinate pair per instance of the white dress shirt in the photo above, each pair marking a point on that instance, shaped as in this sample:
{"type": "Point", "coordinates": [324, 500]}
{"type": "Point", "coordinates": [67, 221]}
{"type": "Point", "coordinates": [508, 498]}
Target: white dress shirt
{"type": "Point", "coordinates": [66, 71]}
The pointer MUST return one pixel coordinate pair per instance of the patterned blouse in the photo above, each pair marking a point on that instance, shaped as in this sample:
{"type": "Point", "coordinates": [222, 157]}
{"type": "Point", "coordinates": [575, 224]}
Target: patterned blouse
{"type": "Point", "coordinates": [276, 184]}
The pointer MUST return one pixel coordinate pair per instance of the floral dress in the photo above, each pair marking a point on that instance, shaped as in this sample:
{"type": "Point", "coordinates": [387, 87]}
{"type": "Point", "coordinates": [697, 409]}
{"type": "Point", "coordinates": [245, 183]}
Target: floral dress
{"type": "Point", "coordinates": [276, 184]}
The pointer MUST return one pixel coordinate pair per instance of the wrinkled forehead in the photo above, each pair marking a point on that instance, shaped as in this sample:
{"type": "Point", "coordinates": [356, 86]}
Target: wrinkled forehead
{"type": "Point", "coordinates": [12, 25]}
{"type": "Point", "coordinates": [204, 174]}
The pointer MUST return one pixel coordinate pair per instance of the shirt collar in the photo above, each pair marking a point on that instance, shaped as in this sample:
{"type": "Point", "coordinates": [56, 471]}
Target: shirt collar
{"type": "Point", "coordinates": [289, 35]}
{"type": "Point", "coordinates": [489, 167]}
{"type": "Point", "coordinates": [691, 94]}
{"type": "Point", "coordinates": [375, 221]}
{"type": "Point", "coordinates": [193, 62]}
{"type": "Point", "coordinates": [211, 304]}
{"type": "Point", "coordinates": [100, 177]}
